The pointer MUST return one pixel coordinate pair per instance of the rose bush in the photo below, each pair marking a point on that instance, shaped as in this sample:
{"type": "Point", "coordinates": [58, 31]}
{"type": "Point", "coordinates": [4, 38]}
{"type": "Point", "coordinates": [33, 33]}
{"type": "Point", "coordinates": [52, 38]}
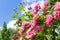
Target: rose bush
{"type": "Point", "coordinates": [39, 26]}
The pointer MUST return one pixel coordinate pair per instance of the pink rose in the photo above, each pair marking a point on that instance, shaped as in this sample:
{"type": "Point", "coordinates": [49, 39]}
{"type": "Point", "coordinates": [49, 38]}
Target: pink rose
{"type": "Point", "coordinates": [17, 21]}
{"type": "Point", "coordinates": [45, 6]}
{"type": "Point", "coordinates": [57, 6]}
{"type": "Point", "coordinates": [40, 27]}
{"type": "Point", "coordinates": [29, 24]}
{"type": "Point", "coordinates": [37, 6]}
{"type": "Point", "coordinates": [25, 23]}
{"type": "Point", "coordinates": [16, 36]}
{"type": "Point", "coordinates": [49, 19]}
{"type": "Point", "coordinates": [30, 33]}
{"type": "Point", "coordinates": [36, 28]}
{"type": "Point", "coordinates": [35, 18]}
{"type": "Point", "coordinates": [34, 11]}
{"type": "Point", "coordinates": [29, 30]}
{"type": "Point", "coordinates": [34, 21]}
{"type": "Point", "coordinates": [56, 15]}
{"type": "Point", "coordinates": [22, 28]}
{"type": "Point", "coordinates": [56, 12]}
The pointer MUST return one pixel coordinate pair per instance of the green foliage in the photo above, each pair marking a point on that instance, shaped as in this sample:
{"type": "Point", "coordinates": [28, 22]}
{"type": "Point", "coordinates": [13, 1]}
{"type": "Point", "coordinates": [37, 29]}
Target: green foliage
{"type": "Point", "coordinates": [21, 9]}
{"type": "Point", "coordinates": [29, 15]}
{"type": "Point", "coordinates": [7, 34]}
{"type": "Point", "coordinates": [40, 36]}
{"type": "Point", "coordinates": [4, 32]}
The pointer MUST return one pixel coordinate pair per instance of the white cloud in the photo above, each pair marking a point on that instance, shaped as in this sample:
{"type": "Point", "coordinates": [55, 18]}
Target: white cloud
{"type": "Point", "coordinates": [11, 24]}
{"type": "Point", "coordinates": [0, 28]}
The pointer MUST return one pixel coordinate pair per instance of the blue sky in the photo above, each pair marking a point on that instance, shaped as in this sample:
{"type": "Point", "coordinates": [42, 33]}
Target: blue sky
{"type": "Point", "coordinates": [6, 9]}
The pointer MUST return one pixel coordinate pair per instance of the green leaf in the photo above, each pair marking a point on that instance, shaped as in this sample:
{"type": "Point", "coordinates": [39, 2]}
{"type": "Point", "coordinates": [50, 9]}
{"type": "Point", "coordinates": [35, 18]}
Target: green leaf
{"type": "Point", "coordinates": [15, 15]}
{"type": "Point", "coordinates": [22, 18]}
{"type": "Point", "coordinates": [52, 9]}
{"type": "Point", "coordinates": [58, 37]}
{"type": "Point", "coordinates": [29, 15]}
{"type": "Point", "coordinates": [21, 8]}
{"type": "Point", "coordinates": [49, 37]}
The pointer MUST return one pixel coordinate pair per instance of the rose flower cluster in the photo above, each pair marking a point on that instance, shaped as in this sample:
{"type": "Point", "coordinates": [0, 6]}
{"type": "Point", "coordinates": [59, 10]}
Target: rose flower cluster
{"type": "Point", "coordinates": [32, 26]}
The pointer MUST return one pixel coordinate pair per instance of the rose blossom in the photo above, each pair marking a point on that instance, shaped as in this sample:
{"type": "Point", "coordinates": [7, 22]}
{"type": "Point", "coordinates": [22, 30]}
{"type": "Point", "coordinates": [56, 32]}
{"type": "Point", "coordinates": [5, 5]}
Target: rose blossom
{"type": "Point", "coordinates": [22, 28]}
{"type": "Point", "coordinates": [25, 23]}
{"type": "Point", "coordinates": [17, 21]}
{"type": "Point", "coordinates": [45, 6]}
{"type": "Point", "coordinates": [57, 6]}
{"type": "Point", "coordinates": [30, 29]}
{"type": "Point", "coordinates": [56, 12]}
{"type": "Point", "coordinates": [37, 6]}
{"type": "Point", "coordinates": [30, 33]}
{"type": "Point", "coordinates": [34, 21]}
{"type": "Point", "coordinates": [35, 18]}
{"type": "Point", "coordinates": [39, 28]}
{"type": "Point", "coordinates": [56, 15]}
{"type": "Point", "coordinates": [35, 9]}
{"type": "Point", "coordinates": [16, 36]}
{"type": "Point", "coordinates": [49, 19]}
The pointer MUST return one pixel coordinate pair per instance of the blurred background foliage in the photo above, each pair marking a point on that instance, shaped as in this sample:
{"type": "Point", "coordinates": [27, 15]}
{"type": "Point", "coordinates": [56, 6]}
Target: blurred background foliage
{"type": "Point", "coordinates": [7, 34]}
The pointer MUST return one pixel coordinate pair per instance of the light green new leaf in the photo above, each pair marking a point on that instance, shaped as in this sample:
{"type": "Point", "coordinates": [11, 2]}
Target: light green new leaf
{"type": "Point", "coordinates": [21, 8]}
{"type": "Point", "coordinates": [14, 15]}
